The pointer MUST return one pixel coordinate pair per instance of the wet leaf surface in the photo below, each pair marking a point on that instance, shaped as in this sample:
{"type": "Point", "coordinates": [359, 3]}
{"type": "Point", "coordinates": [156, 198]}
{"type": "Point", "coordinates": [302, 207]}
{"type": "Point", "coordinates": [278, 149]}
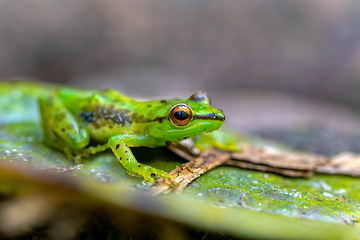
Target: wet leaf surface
{"type": "Point", "coordinates": [222, 196]}
{"type": "Point", "coordinates": [47, 188]}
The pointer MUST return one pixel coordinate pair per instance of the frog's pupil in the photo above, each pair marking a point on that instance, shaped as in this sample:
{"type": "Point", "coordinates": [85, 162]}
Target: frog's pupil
{"type": "Point", "coordinates": [181, 115]}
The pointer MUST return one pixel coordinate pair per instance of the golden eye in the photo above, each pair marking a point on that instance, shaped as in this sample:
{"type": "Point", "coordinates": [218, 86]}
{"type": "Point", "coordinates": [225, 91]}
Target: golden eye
{"type": "Point", "coordinates": [181, 114]}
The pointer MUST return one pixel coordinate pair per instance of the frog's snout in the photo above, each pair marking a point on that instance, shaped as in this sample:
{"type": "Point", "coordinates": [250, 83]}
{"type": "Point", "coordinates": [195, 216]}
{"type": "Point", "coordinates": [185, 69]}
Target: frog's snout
{"type": "Point", "coordinates": [211, 116]}
{"type": "Point", "coordinates": [221, 115]}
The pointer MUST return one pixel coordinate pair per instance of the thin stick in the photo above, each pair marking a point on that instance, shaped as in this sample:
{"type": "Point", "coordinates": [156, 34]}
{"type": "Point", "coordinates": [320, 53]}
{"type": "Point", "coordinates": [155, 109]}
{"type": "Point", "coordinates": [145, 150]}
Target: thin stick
{"type": "Point", "coordinates": [184, 175]}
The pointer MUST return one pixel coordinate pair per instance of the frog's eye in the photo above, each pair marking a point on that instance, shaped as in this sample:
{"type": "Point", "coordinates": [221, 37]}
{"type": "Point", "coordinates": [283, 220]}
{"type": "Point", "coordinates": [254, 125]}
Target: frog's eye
{"type": "Point", "coordinates": [181, 114]}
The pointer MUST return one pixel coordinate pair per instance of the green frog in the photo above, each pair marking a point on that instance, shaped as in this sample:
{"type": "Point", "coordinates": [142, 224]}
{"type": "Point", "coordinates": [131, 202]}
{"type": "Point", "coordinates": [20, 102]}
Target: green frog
{"type": "Point", "coordinates": [80, 122]}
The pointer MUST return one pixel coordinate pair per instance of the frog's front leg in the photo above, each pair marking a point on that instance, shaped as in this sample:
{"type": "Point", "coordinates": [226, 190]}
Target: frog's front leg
{"type": "Point", "coordinates": [121, 144]}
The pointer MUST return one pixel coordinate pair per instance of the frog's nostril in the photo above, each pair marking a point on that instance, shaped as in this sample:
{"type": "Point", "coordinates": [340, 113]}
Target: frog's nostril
{"type": "Point", "coordinates": [220, 117]}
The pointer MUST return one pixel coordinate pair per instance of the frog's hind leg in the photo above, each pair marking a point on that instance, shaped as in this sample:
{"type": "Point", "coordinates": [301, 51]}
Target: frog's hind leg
{"type": "Point", "coordinates": [60, 128]}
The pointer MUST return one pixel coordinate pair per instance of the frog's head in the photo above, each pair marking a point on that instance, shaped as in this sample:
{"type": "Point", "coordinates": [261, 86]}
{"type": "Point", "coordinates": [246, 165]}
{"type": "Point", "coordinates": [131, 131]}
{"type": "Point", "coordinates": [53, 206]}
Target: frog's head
{"type": "Point", "coordinates": [182, 118]}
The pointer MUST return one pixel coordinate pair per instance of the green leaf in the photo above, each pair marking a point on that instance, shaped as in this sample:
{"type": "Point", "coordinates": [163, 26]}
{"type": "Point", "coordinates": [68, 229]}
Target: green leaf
{"type": "Point", "coordinates": [234, 201]}
{"type": "Point", "coordinates": [238, 202]}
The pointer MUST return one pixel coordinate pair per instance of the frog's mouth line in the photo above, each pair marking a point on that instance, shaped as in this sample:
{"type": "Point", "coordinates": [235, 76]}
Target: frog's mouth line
{"type": "Point", "coordinates": [210, 116]}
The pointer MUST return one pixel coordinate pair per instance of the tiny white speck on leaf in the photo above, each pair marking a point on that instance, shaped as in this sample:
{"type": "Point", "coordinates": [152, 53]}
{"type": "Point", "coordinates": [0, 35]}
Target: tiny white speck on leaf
{"type": "Point", "coordinates": [326, 194]}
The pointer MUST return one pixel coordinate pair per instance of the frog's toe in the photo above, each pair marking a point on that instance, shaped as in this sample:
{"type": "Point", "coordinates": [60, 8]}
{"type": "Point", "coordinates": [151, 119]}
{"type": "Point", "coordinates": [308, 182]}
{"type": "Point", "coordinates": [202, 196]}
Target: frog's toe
{"type": "Point", "coordinates": [130, 172]}
{"type": "Point", "coordinates": [152, 175]}
{"type": "Point", "coordinates": [167, 175]}
{"type": "Point", "coordinates": [150, 178]}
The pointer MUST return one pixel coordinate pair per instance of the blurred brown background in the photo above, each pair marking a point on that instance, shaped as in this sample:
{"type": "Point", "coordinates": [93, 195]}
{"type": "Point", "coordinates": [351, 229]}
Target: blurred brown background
{"type": "Point", "coordinates": [241, 52]}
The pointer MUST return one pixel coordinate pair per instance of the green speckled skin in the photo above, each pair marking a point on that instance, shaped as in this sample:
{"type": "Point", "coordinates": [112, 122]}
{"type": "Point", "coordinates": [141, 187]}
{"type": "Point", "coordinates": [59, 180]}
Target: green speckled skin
{"type": "Point", "coordinates": [74, 119]}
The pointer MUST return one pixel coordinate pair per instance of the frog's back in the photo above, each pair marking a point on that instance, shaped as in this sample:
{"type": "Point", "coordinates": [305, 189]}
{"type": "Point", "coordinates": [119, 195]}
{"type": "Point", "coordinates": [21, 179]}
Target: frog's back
{"type": "Point", "coordinates": [104, 112]}
{"type": "Point", "coordinates": [76, 97]}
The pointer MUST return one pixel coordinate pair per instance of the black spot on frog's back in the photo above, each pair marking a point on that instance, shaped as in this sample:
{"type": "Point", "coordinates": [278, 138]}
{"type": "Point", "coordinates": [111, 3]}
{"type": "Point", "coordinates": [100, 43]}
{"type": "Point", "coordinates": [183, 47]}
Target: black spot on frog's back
{"type": "Point", "coordinates": [87, 116]}
{"type": "Point", "coordinates": [112, 115]}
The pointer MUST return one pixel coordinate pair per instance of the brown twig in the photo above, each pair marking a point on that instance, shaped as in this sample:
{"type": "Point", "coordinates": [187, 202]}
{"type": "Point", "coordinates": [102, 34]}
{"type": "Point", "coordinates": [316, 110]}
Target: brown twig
{"type": "Point", "coordinates": [286, 163]}
{"type": "Point", "coordinates": [184, 175]}
{"type": "Point", "coordinates": [291, 164]}
{"type": "Point", "coordinates": [345, 163]}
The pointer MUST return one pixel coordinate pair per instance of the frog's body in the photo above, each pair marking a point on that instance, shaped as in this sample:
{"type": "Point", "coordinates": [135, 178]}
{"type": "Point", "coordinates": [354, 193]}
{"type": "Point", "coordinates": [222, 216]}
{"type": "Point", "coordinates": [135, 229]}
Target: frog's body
{"type": "Point", "coordinates": [74, 119]}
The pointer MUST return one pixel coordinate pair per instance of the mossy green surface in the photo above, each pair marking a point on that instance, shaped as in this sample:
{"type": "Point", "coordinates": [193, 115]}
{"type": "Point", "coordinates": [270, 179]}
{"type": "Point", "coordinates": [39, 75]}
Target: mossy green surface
{"type": "Point", "coordinates": [238, 202]}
